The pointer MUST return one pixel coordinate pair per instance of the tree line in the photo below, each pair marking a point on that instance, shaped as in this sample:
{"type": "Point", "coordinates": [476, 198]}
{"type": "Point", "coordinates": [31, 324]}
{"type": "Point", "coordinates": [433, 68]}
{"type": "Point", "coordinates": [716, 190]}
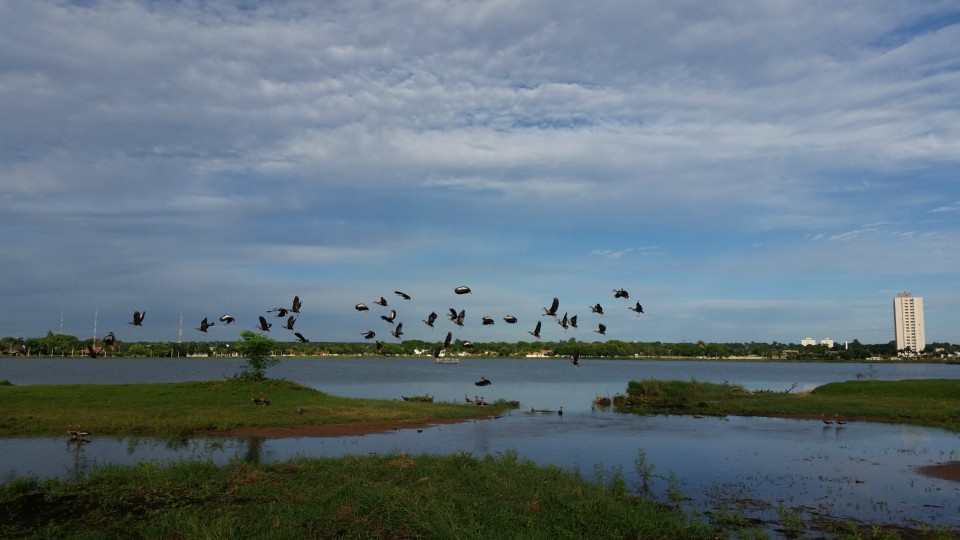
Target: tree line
{"type": "Point", "coordinates": [65, 345]}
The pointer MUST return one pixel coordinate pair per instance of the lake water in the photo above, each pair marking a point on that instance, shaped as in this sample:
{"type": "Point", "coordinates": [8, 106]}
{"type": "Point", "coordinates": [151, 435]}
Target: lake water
{"type": "Point", "coordinates": [858, 471]}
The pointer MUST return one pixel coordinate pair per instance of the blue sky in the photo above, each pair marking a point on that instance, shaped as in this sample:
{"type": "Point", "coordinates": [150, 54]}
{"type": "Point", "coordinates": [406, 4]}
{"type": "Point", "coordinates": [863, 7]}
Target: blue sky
{"type": "Point", "coordinates": [748, 171]}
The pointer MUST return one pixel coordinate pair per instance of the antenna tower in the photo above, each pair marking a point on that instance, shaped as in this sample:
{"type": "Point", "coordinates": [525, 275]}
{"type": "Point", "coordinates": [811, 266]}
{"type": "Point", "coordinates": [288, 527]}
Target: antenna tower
{"type": "Point", "coordinates": [180, 330]}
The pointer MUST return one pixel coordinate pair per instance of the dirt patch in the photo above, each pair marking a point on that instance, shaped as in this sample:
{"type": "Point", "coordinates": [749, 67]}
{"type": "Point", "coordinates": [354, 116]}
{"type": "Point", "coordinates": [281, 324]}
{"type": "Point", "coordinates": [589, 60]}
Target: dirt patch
{"type": "Point", "coordinates": [945, 471]}
{"type": "Point", "coordinates": [351, 429]}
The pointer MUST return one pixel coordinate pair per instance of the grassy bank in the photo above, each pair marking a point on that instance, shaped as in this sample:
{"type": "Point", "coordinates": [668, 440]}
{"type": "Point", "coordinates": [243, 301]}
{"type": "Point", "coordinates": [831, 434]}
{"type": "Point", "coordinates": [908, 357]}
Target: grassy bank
{"type": "Point", "coordinates": [215, 406]}
{"type": "Point", "coordinates": [933, 402]}
{"type": "Point", "coordinates": [397, 496]}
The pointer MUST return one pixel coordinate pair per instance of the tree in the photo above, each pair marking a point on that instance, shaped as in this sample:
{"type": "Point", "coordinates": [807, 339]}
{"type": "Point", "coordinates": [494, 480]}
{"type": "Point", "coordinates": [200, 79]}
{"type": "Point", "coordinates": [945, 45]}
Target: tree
{"type": "Point", "coordinates": [256, 349]}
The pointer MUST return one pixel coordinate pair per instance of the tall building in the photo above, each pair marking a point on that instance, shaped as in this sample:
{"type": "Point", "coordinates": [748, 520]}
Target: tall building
{"type": "Point", "coordinates": [908, 322]}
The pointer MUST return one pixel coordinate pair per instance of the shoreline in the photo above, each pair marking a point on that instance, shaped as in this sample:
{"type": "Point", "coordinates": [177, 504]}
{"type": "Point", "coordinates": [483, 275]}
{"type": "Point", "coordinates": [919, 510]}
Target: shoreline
{"type": "Point", "coordinates": [345, 429]}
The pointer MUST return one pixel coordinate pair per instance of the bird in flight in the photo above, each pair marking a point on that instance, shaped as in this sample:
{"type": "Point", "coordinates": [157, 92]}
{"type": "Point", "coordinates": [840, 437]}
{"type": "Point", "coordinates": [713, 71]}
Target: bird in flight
{"type": "Point", "coordinates": [381, 302]}
{"type": "Point", "coordinates": [138, 318]}
{"type": "Point", "coordinates": [295, 307]}
{"type": "Point", "coordinates": [598, 309]}
{"type": "Point", "coordinates": [573, 321]}
{"type": "Point", "coordinates": [110, 340]}
{"type": "Point", "coordinates": [463, 289]}
{"type": "Point", "coordinates": [448, 340]}
{"type": "Point", "coordinates": [369, 334]}
{"type": "Point", "coordinates": [637, 308]}
{"type": "Point", "coordinates": [620, 293]}
{"type": "Point", "coordinates": [361, 307]}
{"type": "Point", "coordinates": [601, 329]}
{"type": "Point", "coordinates": [552, 310]}
{"type": "Point", "coordinates": [264, 325]}
{"type": "Point", "coordinates": [487, 320]}
{"type": "Point", "coordinates": [402, 294]}
{"type": "Point", "coordinates": [576, 359]}
{"type": "Point", "coordinates": [204, 325]}
{"type": "Point", "coordinates": [510, 319]}
{"type": "Point", "coordinates": [457, 318]}
{"type": "Point", "coordinates": [300, 337]}
{"type": "Point", "coordinates": [391, 317]}
{"type": "Point", "coordinates": [398, 331]}
{"type": "Point", "coordinates": [536, 331]}
{"type": "Point", "coordinates": [290, 320]}
{"type": "Point", "coordinates": [281, 312]}
{"type": "Point", "coordinates": [227, 319]}
{"type": "Point", "coordinates": [431, 318]}
{"type": "Point", "coordinates": [564, 322]}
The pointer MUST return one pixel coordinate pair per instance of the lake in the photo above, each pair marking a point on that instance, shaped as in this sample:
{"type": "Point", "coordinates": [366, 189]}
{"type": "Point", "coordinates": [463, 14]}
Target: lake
{"type": "Point", "coordinates": [859, 471]}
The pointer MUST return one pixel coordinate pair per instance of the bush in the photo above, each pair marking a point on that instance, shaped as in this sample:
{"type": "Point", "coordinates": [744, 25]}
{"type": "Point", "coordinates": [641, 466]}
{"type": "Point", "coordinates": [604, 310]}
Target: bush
{"type": "Point", "coordinates": [256, 349]}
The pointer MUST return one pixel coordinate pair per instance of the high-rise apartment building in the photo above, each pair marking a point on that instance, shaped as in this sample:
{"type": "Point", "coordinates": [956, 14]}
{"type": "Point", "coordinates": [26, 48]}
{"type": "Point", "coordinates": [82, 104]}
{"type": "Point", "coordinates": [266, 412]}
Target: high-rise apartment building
{"type": "Point", "coordinates": [908, 322]}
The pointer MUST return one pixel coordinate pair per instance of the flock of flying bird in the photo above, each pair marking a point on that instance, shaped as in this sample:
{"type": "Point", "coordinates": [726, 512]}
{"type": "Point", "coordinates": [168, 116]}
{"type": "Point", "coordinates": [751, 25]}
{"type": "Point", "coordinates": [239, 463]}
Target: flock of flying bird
{"type": "Point", "coordinates": [456, 317]}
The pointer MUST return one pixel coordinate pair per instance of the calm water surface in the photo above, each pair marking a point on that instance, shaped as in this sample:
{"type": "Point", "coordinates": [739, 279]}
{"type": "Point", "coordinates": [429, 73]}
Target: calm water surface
{"type": "Point", "coordinates": [860, 471]}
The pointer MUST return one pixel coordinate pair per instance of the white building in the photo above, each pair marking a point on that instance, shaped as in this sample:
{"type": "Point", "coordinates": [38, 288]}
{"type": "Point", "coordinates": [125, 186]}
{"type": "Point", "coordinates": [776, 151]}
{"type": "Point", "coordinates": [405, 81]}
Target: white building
{"type": "Point", "coordinates": [827, 342]}
{"type": "Point", "coordinates": [808, 341]}
{"type": "Point", "coordinates": [908, 322]}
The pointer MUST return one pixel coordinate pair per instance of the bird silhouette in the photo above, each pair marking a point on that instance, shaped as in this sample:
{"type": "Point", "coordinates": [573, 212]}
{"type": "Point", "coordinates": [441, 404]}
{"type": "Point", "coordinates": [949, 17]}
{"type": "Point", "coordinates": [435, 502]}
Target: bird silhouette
{"type": "Point", "coordinates": [598, 309]}
{"type": "Point", "coordinates": [487, 320]}
{"type": "Point", "coordinates": [361, 307]}
{"type": "Point", "coordinates": [573, 321]}
{"type": "Point", "coordinates": [280, 311]}
{"type": "Point", "coordinates": [398, 331]}
{"type": "Point", "coordinates": [402, 294]}
{"type": "Point", "coordinates": [138, 318]}
{"type": "Point", "coordinates": [381, 302]}
{"type": "Point", "coordinates": [510, 319]}
{"type": "Point", "coordinates": [431, 318]}
{"type": "Point", "coordinates": [467, 344]}
{"type": "Point", "coordinates": [638, 308]}
{"type": "Point", "coordinates": [391, 317]}
{"type": "Point", "coordinates": [576, 359]}
{"type": "Point", "coordinates": [301, 338]}
{"type": "Point", "coordinates": [462, 289]}
{"type": "Point", "coordinates": [552, 310]}
{"type": "Point", "coordinates": [560, 412]}
{"type": "Point", "coordinates": [457, 318]}
{"type": "Point", "coordinates": [93, 351]}
{"type": "Point", "coordinates": [379, 345]}
{"type": "Point", "coordinates": [204, 325]}
{"type": "Point", "coordinates": [564, 322]}
{"type": "Point", "coordinates": [620, 293]}
{"type": "Point", "coordinates": [536, 331]}
{"type": "Point", "coordinates": [448, 340]}
{"type": "Point", "coordinates": [110, 340]}
{"type": "Point", "coordinates": [264, 325]}
{"type": "Point", "coordinates": [290, 320]}
{"type": "Point", "coordinates": [295, 306]}
{"type": "Point", "coordinates": [227, 319]}
{"type": "Point", "coordinates": [601, 329]}
{"type": "Point", "coordinates": [369, 334]}
{"type": "Point", "coordinates": [483, 382]}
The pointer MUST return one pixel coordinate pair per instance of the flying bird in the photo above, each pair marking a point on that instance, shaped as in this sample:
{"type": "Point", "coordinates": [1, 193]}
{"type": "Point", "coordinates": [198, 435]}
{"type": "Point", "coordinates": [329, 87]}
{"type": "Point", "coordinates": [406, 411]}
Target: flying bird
{"type": "Point", "coordinates": [487, 320]}
{"type": "Point", "coordinates": [510, 319]}
{"type": "Point", "coordinates": [638, 308]}
{"type": "Point", "coordinates": [369, 334]}
{"type": "Point", "coordinates": [281, 312]}
{"type": "Point", "coordinates": [381, 302]}
{"type": "Point", "coordinates": [398, 331]}
{"type": "Point", "coordinates": [573, 321]}
{"type": "Point", "coordinates": [564, 322]}
{"type": "Point", "coordinates": [598, 309]}
{"type": "Point", "coordinates": [448, 340]}
{"type": "Point", "coordinates": [204, 325]}
{"type": "Point", "coordinates": [264, 325]}
{"type": "Point", "coordinates": [576, 359]}
{"type": "Point", "coordinates": [227, 319]}
{"type": "Point", "coordinates": [463, 289]}
{"type": "Point", "coordinates": [93, 351]}
{"type": "Point", "coordinates": [295, 307]}
{"type": "Point", "coordinates": [290, 320]}
{"type": "Point", "coordinates": [536, 331]}
{"type": "Point", "coordinates": [469, 345]}
{"type": "Point", "coordinates": [110, 340]}
{"type": "Point", "coordinates": [402, 294]}
{"type": "Point", "coordinates": [361, 307]}
{"type": "Point", "coordinates": [138, 318]}
{"type": "Point", "coordinates": [601, 329]}
{"type": "Point", "coordinates": [379, 346]}
{"type": "Point", "coordinates": [483, 382]}
{"type": "Point", "coordinates": [457, 318]}
{"type": "Point", "coordinates": [391, 317]}
{"type": "Point", "coordinates": [620, 293]}
{"type": "Point", "coordinates": [431, 318]}
{"type": "Point", "coordinates": [301, 338]}
{"type": "Point", "coordinates": [552, 310]}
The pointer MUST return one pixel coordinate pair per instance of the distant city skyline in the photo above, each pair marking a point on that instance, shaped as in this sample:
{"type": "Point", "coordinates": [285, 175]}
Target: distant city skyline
{"type": "Point", "coordinates": [748, 171]}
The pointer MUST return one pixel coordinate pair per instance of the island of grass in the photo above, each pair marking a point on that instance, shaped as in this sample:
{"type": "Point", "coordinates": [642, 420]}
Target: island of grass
{"type": "Point", "coordinates": [930, 402]}
{"type": "Point", "coordinates": [233, 406]}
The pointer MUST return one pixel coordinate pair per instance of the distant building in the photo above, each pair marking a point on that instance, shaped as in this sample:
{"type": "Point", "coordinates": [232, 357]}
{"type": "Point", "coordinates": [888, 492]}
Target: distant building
{"type": "Point", "coordinates": [908, 322]}
{"type": "Point", "coordinates": [827, 342]}
{"type": "Point", "coordinates": [808, 341]}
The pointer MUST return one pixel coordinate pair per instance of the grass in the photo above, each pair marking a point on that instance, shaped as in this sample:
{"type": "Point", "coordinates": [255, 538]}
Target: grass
{"type": "Point", "coordinates": [931, 402]}
{"type": "Point", "coordinates": [394, 496]}
{"type": "Point", "coordinates": [211, 406]}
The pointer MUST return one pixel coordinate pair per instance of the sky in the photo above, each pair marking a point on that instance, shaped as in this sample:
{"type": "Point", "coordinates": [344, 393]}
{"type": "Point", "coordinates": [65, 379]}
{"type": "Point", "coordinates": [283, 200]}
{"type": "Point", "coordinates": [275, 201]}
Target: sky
{"type": "Point", "coordinates": [747, 170]}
